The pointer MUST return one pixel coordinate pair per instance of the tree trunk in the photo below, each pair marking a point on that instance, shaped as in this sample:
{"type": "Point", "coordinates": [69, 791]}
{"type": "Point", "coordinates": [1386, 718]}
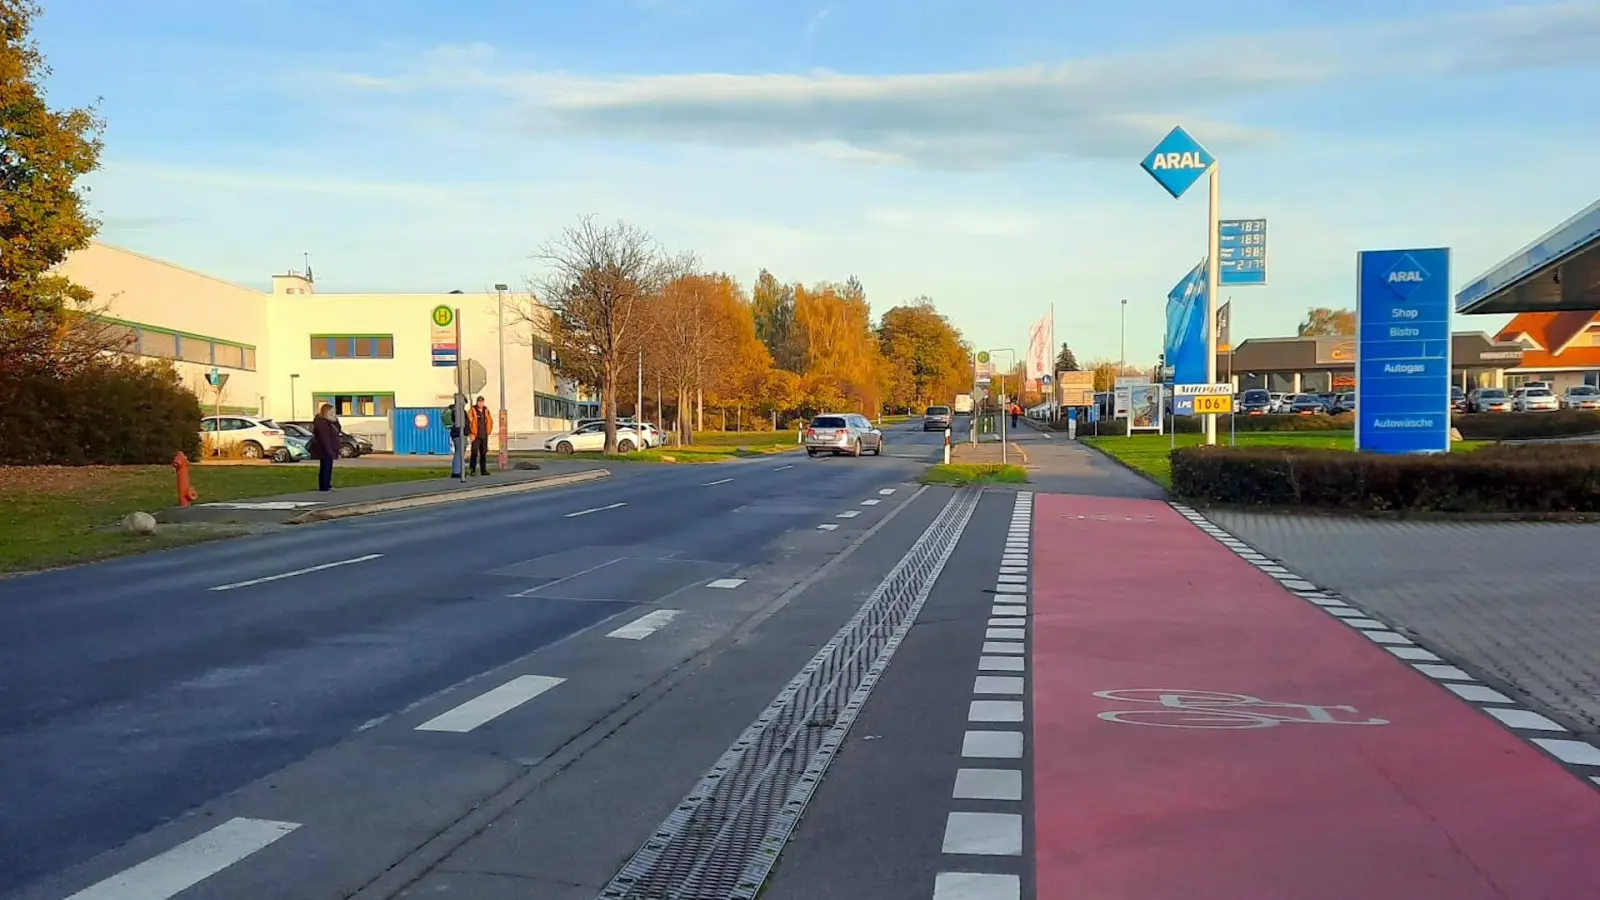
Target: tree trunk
{"type": "Point", "coordinates": [685, 421]}
{"type": "Point", "coordinates": [699, 409]}
{"type": "Point", "coordinates": [608, 406]}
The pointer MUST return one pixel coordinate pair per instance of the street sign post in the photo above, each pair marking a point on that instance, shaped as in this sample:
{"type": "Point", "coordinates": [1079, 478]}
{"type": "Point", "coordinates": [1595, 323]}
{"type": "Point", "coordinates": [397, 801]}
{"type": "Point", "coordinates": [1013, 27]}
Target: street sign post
{"type": "Point", "coordinates": [1403, 351]}
{"type": "Point", "coordinates": [1242, 247]}
{"type": "Point", "coordinates": [445, 346]}
{"type": "Point", "coordinates": [1176, 163]}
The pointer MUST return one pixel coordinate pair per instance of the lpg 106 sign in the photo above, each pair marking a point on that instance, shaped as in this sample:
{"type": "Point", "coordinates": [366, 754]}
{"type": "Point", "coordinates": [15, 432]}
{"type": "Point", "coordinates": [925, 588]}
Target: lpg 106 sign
{"type": "Point", "coordinates": [1403, 351]}
{"type": "Point", "coordinates": [1202, 399]}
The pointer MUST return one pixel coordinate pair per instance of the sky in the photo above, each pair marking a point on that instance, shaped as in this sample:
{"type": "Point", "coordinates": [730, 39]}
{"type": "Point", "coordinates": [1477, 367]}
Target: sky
{"type": "Point", "coordinates": [983, 153]}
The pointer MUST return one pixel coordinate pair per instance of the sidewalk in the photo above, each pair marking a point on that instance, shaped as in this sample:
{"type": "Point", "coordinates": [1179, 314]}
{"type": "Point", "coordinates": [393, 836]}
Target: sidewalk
{"type": "Point", "coordinates": [1059, 466]}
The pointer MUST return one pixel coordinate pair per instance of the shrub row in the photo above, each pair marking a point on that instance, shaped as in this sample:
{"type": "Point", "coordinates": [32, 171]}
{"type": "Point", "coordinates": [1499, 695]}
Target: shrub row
{"type": "Point", "coordinates": [1526, 426]}
{"type": "Point", "coordinates": [1498, 479]}
{"type": "Point", "coordinates": [1241, 424]}
{"type": "Point", "coordinates": [114, 412]}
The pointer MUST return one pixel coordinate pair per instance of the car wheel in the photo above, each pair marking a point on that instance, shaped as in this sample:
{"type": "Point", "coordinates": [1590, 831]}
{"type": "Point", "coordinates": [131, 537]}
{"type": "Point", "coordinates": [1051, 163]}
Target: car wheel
{"type": "Point", "coordinates": [624, 446]}
{"type": "Point", "coordinates": [346, 451]}
{"type": "Point", "coordinates": [281, 455]}
{"type": "Point", "coordinates": [878, 450]}
{"type": "Point", "coordinates": [252, 450]}
{"type": "Point", "coordinates": [811, 452]}
{"type": "Point", "coordinates": [564, 448]}
{"type": "Point", "coordinates": [856, 449]}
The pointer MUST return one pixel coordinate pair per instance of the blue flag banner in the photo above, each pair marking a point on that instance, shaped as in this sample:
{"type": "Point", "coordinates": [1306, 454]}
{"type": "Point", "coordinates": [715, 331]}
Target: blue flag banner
{"type": "Point", "coordinates": [1186, 328]}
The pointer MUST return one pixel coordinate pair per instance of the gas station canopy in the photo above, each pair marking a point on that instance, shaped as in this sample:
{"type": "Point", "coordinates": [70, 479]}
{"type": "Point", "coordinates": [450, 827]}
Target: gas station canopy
{"type": "Point", "coordinates": [1559, 272]}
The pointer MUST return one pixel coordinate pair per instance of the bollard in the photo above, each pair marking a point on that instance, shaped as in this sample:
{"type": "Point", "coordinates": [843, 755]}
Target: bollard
{"type": "Point", "coordinates": [947, 446]}
{"type": "Point", "coordinates": [186, 493]}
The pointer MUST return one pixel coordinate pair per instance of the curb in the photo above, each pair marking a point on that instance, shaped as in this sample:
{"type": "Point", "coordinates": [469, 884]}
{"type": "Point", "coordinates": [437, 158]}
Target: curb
{"type": "Point", "coordinates": [438, 498]}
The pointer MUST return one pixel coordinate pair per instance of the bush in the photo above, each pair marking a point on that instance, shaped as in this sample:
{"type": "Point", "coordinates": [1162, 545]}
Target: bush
{"type": "Point", "coordinates": [1526, 426]}
{"type": "Point", "coordinates": [113, 412]}
{"type": "Point", "coordinates": [1241, 424]}
{"type": "Point", "coordinates": [1501, 479]}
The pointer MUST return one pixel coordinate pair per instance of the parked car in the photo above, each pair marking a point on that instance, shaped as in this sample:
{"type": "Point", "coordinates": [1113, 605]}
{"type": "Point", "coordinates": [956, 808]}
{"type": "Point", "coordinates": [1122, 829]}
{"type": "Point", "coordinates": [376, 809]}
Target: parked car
{"type": "Point", "coordinates": [1581, 396]}
{"type": "Point", "coordinates": [1488, 400]}
{"type": "Point", "coordinates": [1280, 402]}
{"type": "Point", "coordinates": [1255, 402]}
{"type": "Point", "coordinates": [937, 418]}
{"type": "Point", "coordinates": [1458, 400]}
{"type": "Point", "coordinates": [255, 438]}
{"type": "Point", "coordinates": [350, 445]}
{"type": "Point", "coordinates": [1308, 405]}
{"type": "Point", "coordinates": [591, 437]}
{"type": "Point", "coordinates": [1344, 403]}
{"type": "Point", "coordinates": [1534, 399]}
{"type": "Point", "coordinates": [298, 443]}
{"type": "Point", "coordinates": [838, 433]}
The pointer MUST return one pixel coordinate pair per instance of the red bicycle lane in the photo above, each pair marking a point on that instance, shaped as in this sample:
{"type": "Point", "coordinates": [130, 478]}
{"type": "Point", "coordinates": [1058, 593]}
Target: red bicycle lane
{"type": "Point", "coordinates": [1354, 776]}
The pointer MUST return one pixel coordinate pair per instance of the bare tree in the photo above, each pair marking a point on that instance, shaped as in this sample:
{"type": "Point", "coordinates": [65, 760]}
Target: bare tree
{"type": "Point", "coordinates": [597, 283]}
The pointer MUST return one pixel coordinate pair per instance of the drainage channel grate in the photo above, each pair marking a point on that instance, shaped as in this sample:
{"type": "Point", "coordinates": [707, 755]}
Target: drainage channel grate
{"type": "Point", "coordinates": [723, 839]}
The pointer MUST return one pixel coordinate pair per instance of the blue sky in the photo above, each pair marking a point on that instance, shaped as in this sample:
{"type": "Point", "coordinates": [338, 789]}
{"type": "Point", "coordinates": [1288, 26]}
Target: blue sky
{"type": "Point", "coordinates": [982, 153]}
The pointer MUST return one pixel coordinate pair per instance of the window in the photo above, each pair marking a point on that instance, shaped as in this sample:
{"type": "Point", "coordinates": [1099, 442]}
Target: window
{"type": "Point", "coordinates": [352, 346]}
{"type": "Point", "coordinates": [543, 352]}
{"type": "Point", "coordinates": [165, 343]}
{"type": "Point", "coordinates": [194, 349]}
{"type": "Point", "coordinates": [250, 359]}
{"type": "Point", "coordinates": [229, 355]}
{"type": "Point", "coordinates": [548, 407]}
{"type": "Point", "coordinates": [356, 405]}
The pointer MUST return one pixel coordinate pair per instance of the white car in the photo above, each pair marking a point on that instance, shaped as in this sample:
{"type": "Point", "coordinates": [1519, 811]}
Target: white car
{"type": "Point", "coordinates": [1581, 396]}
{"type": "Point", "coordinates": [1533, 399]}
{"type": "Point", "coordinates": [591, 437]}
{"type": "Point", "coordinates": [256, 438]}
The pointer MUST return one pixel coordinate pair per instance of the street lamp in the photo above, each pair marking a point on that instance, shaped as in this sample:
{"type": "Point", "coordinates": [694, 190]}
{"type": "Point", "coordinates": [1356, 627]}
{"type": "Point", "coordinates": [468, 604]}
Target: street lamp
{"type": "Point", "coordinates": [500, 308]}
{"type": "Point", "coordinates": [1122, 360]}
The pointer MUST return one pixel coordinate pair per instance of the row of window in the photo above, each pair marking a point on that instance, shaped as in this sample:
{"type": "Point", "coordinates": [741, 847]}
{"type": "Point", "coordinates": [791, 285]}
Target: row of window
{"type": "Point", "coordinates": [352, 346]}
{"type": "Point", "coordinates": [356, 404]}
{"type": "Point", "coordinates": [551, 407]}
{"type": "Point", "coordinates": [164, 343]}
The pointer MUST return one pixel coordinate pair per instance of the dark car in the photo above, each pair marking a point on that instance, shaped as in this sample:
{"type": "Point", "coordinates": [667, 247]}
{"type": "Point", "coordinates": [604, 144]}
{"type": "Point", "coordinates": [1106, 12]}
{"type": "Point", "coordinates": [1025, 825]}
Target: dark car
{"type": "Point", "coordinates": [350, 445]}
{"type": "Point", "coordinates": [1308, 405]}
{"type": "Point", "coordinates": [1255, 402]}
{"type": "Point", "coordinates": [937, 418]}
{"type": "Point", "coordinates": [1458, 400]}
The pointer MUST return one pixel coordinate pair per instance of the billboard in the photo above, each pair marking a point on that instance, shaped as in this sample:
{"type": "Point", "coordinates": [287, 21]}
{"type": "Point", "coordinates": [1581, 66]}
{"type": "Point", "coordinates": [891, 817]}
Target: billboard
{"type": "Point", "coordinates": [1075, 388]}
{"type": "Point", "coordinates": [1403, 351]}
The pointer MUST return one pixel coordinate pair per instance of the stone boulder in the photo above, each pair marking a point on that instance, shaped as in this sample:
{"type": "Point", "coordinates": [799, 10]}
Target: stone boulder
{"type": "Point", "coordinates": [139, 523]}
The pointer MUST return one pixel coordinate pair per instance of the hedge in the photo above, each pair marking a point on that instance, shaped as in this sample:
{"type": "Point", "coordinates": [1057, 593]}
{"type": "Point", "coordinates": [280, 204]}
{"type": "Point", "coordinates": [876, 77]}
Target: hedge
{"type": "Point", "coordinates": [1241, 424]}
{"type": "Point", "coordinates": [111, 413]}
{"type": "Point", "coordinates": [1496, 479]}
{"type": "Point", "coordinates": [1526, 426]}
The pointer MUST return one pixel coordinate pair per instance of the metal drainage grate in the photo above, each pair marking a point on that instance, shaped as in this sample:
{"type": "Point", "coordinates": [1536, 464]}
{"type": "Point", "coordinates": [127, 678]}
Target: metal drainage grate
{"type": "Point", "coordinates": [723, 839]}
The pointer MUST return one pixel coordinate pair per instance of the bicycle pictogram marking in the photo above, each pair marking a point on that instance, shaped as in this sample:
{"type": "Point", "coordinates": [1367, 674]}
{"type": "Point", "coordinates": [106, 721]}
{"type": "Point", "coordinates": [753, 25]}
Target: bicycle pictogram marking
{"type": "Point", "coordinates": [1215, 709]}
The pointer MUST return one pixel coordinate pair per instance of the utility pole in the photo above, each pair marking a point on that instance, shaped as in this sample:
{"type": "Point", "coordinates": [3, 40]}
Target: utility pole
{"type": "Point", "coordinates": [505, 434]}
{"type": "Point", "coordinates": [638, 400]}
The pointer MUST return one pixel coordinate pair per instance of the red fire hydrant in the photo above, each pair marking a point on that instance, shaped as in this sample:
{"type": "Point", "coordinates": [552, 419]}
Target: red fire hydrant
{"type": "Point", "coordinates": [186, 493]}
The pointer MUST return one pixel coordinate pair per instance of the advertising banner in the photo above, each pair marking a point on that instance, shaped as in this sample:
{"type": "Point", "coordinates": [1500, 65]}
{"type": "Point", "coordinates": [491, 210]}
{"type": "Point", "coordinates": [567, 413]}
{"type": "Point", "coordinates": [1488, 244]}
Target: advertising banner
{"type": "Point", "coordinates": [1186, 328]}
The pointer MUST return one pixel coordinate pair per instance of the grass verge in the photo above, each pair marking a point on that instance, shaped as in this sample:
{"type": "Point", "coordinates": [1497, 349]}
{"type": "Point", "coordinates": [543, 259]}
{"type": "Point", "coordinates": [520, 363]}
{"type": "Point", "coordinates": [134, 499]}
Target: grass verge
{"type": "Point", "coordinates": [56, 515]}
{"type": "Point", "coordinates": [1152, 453]}
{"type": "Point", "coordinates": [975, 473]}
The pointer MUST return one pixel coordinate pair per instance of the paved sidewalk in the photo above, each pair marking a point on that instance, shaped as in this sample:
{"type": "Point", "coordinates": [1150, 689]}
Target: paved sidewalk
{"type": "Point", "coordinates": [1057, 465]}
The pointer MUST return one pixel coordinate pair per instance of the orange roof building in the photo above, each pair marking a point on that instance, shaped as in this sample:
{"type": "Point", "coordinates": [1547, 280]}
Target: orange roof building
{"type": "Point", "coordinates": [1567, 343]}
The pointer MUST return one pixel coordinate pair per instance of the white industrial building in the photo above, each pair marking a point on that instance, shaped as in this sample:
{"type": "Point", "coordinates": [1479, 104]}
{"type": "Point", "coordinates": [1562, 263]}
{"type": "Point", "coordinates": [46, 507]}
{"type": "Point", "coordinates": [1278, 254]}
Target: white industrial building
{"type": "Point", "coordinates": [291, 349]}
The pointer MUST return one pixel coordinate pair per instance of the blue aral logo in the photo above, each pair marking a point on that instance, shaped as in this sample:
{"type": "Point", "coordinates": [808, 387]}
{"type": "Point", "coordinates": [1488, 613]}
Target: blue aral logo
{"type": "Point", "coordinates": [1405, 276]}
{"type": "Point", "coordinates": [1177, 162]}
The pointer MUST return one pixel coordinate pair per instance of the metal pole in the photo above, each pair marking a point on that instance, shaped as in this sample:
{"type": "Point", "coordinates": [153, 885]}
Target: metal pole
{"type": "Point", "coordinates": [1122, 359]}
{"type": "Point", "coordinates": [458, 466]}
{"type": "Point", "coordinates": [500, 294]}
{"type": "Point", "coordinates": [638, 401]}
{"type": "Point", "coordinates": [1213, 272]}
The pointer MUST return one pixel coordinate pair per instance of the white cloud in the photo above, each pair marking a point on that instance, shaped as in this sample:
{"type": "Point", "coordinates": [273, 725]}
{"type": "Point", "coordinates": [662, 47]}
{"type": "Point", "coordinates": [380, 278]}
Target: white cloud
{"type": "Point", "coordinates": [1097, 108]}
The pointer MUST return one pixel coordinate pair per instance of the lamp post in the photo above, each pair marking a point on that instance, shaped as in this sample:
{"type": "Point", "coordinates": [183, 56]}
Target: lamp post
{"type": "Point", "coordinates": [1122, 358]}
{"type": "Point", "coordinates": [500, 309]}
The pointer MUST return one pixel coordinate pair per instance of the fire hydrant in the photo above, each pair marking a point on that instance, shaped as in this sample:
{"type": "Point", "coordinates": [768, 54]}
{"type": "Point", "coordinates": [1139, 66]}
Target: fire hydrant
{"type": "Point", "coordinates": [186, 493]}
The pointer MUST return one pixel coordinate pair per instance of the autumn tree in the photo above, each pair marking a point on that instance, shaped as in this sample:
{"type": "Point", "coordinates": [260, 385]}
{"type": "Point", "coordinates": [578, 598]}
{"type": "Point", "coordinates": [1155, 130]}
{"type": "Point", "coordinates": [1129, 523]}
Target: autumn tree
{"type": "Point", "coordinates": [703, 337]}
{"type": "Point", "coordinates": [772, 305]}
{"type": "Point", "coordinates": [841, 347]}
{"type": "Point", "coordinates": [925, 358]}
{"type": "Point", "coordinates": [1067, 361]}
{"type": "Point", "coordinates": [598, 282]}
{"type": "Point", "coordinates": [1322, 321]}
{"type": "Point", "coordinates": [43, 153]}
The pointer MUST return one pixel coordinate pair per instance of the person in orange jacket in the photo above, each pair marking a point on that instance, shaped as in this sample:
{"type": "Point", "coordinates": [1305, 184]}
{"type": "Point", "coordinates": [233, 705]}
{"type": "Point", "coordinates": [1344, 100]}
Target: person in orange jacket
{"type": "Point", "coordinates": [1016, 411]}
{"type": "Point", "coordinates": [480, 424]}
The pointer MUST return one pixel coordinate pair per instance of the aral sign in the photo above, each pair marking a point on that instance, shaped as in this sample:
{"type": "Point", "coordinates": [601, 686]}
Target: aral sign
{"type": "Point", "coordinates": [1403, 351]}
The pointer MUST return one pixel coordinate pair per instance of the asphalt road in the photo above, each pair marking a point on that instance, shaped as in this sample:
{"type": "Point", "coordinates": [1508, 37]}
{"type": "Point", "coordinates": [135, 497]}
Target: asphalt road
{"type": "Point", "coordinates": [339, 679]}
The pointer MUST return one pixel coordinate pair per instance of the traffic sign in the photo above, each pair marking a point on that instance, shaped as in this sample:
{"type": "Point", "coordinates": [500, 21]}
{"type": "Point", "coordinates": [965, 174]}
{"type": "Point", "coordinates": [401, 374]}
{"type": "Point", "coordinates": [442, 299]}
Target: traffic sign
{"type": "Point", "coordinates": [1178, 161]}
{"type": "Point", "coordinates": [442, 337]}
{"type": "Point", "coordinates": [1242, 247]}
{"type": "Point", "coordinates": [1403, 351]}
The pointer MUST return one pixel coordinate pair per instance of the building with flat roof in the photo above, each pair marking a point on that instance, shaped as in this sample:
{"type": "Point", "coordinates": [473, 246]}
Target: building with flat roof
{"type": "Point", "coordinates": [290, 349]}
{"type": "Point", "coordinates": [1328, 364]}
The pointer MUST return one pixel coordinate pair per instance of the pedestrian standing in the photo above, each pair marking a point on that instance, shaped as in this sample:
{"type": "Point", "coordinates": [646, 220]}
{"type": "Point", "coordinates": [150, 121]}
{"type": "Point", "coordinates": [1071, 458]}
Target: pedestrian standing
{"type": "Point", "coordinates": [325, 446]}
{"type": "Point", "coordinates": [480, 423]}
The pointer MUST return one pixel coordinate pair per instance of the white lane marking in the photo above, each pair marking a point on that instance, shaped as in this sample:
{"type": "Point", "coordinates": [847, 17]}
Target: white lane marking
{"type": "Point", "coordinates": [872, 502]}
{"type": "Point", "coordinates": [645, 625]}
{"type": "Point", "coordinates": [1443, 673]}
{"type": "Point", "coordinates": [1522, 718]}
{"type": "Point", "coordinates": [1003, 588]}
{"type": "Point", "coordinates": [781, 468]}
{"type": "Point", "coordinates": [718, 481]}
{"type": "Point", "coordinates": [1578, 753]}
{"type": "Point", "coordinates": [997, 684]}
{"type": "Point", "coordinates": [1387, 637]}
{"type": "Point", "coordinates": [1358, 622]}
{"type": "Point", "coordinates": [992, 745]}
{"type": "Point", "coordinates": [848, 514]}
{"type": "Point", "coordinates": [1013, 610]}
{"type": "Point", "coordinates": [886, 491]}
{"type": "Point", "coordinates": [827, 526]}
{"type": "Point", "coordinates": [578, 574]}
{"type": "Point", "coordinates": [1007, 647]}
{"type": "Point", "coordinates": [1415, 653]}
{"type": "Point", "coordinates": [1008, 621]}
{"type": "Point", "coordinates": [988, 784]}
{"type": "Point", "coordinates": [282, 575]}
{"type": "Point", "coordinates": [1477, 693]}
{"type": "Point", "coordinates": [1345, 612]}
{"type": "Point", "coordinates": [491, 704]}
{"type": "Point", "coordinates": [1002, 664]}
{"type": "Point", "coordinates": [725, 583]}
{"type": "Point", "coordinates": [1003, 634]}
{"type": "Point", "coordinates": [1013, 570]}
{"type": "Point", "coordinates": [1013, 579]}
{"type": "Point", "coordinates": [585, 512]}
{"type": "Point", "coordinates": [983, 834]}
{"type": "Point", "coordinates": [976, 886]}
{"type": "Point", "coordinates": [994, 711]}
{"type": "Point", "coordinates": [189, 863]}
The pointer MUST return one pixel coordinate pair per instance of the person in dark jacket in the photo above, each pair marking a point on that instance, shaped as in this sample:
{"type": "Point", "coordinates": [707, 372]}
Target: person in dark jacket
{"type": "Point", "coordinates": [325, 445]}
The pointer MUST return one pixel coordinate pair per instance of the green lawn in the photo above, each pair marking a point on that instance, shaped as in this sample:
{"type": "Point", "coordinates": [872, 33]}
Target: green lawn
{"type": "Point", "coordinates": [50, 515]}
{"type": "Point", "coordinates": [975, 473]}
{"type": "Point", "coordinates": [1151, 453]}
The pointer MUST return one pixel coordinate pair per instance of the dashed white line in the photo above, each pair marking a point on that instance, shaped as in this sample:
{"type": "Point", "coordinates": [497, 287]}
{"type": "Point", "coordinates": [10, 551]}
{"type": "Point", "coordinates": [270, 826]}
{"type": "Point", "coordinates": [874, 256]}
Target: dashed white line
{"type": "Point", "coordinates": [1004, 588]}
{"type": "Point", "coordinates": [976, 886]}
{"type": "Point", "coordinates": [491, 704]}
{"type": "Point", "coordinates": [827, 526]}
{"type": "Point", "coordinates": [1010, 685]}
{"type": "Point", "coordinates": [1014, 579]}
{"type": "Point", "coordinates": [873, 502]}
{"type": "Point", "coordinates": [189, 863]}
{"type": "Point", "coordinates": [994, 711]}
{"type": "Point", "coordinates": [585, 512]}
{"type": "Point", "coordinates": [1004, 647]}
{"type": "Point", "coordinates": [645, 625]}
{"type": "Point", "coordinates": [1477, 693]}
{"type": "Point", "coordinates": [988, 784]}
{"type": "Point", "coordinates": [717, 482]}
{"type": "Point", "coordinates": [848, 514]}
{"type": "Point", "coordinates": [983, 834]}
{"type": "Point", "coordinates": [282, 575]}
{"type": "Point", "coordinates": [1387, 637]}
{"type": "Point", "coordinates": [1008, 621]}
{"type": "Point", "coordinates": [1004, 634]}
{"type": "Point", "coordinates": [1577, 753]}
{"type": "Point", "coordinates": [886, 491]}
{"type": "Point", "coordinates": [781, 468]}
{"type": "Point", "coordinates": [1002, 664]}
{"type": "Point", "coordinates": [1414, 653]}
{"type": "Point", "coordinates": [1444, 673]}
{"type": "Point", "coordinates": [725, 583]}
{"type": "Point", "coordinates": [992, 745]}
{"type": "Point", "coordinates": [1522, 718]}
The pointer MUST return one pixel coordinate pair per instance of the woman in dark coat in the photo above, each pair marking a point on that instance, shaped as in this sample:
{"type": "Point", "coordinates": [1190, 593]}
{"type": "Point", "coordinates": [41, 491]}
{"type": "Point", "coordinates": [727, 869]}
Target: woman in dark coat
{"type": "Point", "coordinates": [325, 446]}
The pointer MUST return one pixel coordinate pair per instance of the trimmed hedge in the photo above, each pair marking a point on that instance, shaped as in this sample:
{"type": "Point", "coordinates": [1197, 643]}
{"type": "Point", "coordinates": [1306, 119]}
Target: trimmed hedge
{"type": "Point", "coordinates": [1526, 426]}
{"type": "Point", "coordinates": [1241, 424]}
{"type": "Point", "coordinates": [1497, 479]}
{"type": "Point", "coordinates": [112, 413]}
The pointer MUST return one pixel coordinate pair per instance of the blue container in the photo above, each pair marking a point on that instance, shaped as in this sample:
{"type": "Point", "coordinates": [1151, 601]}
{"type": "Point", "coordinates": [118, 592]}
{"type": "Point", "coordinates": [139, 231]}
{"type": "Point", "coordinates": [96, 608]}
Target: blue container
{"type": "Point", "coordinates": [419, 431]}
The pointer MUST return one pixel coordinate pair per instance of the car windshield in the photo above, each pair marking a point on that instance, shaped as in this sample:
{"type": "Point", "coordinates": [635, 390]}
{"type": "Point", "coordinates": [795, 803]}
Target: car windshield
{"type": "Point", "coordinates": [828, 422]}
{"type": "Point", "coordinates": [1586, 390]}
{"type": "Point", "coordinates": [938, 410]}
{"type": "Point", "coordinates": [1538, 392]}
{"type": "Point", "coordinates": [1491, 395]}
{"type": "Point", "coordinates": [1257, 397]}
